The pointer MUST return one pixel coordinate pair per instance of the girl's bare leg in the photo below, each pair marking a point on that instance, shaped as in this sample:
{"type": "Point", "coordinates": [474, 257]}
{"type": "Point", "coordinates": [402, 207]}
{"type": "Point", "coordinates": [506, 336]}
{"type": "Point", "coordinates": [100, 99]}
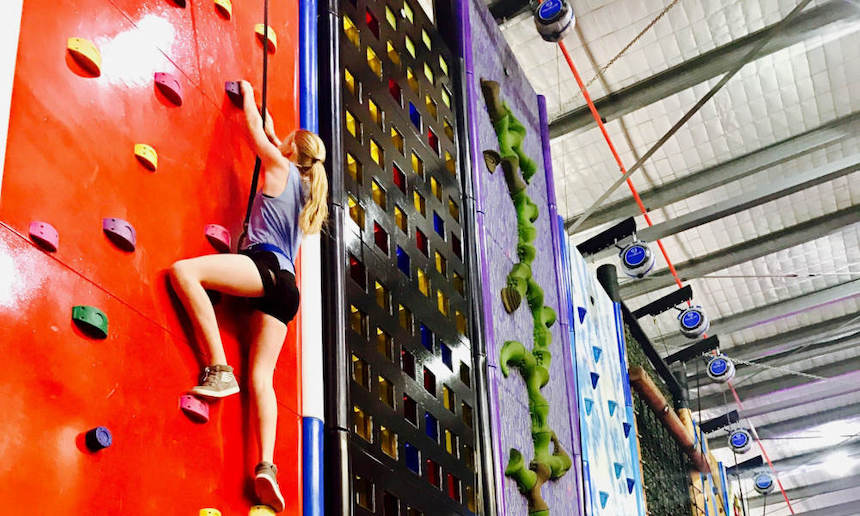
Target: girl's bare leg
{"type": "Point", "coordinates": [233, 274]}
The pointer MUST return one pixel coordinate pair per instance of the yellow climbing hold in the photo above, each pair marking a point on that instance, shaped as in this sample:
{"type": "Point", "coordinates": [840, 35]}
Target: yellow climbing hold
{"type": "Point", "coordinates": [210, 512]}
{"type": "Point", "coordinates": [261, 510]}
{"type": "Point", "coordinates": [86, 54]}
{"type": "Point", "coordinates": [260, 29]}
{"type": "Point", "coordinates": [146, 155]}
{"type": "Point", "coordinates": [225, 7]}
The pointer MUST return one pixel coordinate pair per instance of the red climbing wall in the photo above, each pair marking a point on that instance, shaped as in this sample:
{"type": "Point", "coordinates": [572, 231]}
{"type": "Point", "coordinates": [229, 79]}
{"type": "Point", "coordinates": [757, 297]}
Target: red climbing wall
{"type": "Point", "coordinates": [70, 163]}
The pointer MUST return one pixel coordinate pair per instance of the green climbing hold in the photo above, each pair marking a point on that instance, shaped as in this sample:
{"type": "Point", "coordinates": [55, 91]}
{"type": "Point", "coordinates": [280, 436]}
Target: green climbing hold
{"type": "Point", "coordinates": [91, 321]}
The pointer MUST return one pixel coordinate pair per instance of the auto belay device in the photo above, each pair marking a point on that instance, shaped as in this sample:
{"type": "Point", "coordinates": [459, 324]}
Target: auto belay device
{"type": "Point", "coordinates": [740, 440]}
{"type": "Point", "coordinates": [637, 260]}
{"type": "Point", "coordinates": [553, 18]}
{"type": "Point", "coordinates": [693, 322]}
{"type": "Point", "coordinates": [721, 369]}
{"type": "Point", "coordinates": [763, 483]}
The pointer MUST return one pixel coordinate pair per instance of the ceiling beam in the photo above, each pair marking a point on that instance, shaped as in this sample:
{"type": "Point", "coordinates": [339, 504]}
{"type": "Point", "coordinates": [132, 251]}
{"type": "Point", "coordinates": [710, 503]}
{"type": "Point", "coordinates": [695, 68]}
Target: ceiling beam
{"type": "Point", "coordinates": [743, 252]}
{"type": "Point", "coordinates": [802, 395]}
{"type": "Point", "coordinates": [830, 486]}
{"type": "Point", "coordinates": [785, 342]}
{"type": "Point", "coordinates": [502, 10]}
{"type": "Point", "coordinates": [826, 18]}
{"type": "Point", "coordinates": [766, 192]}
{"type": "Point", "coordinates": [725, 172]}
{"type": "Point", "coordinates": [848, 508]}
{"type": "Point", "coordinates": [809, 458]}
{"type": "Point", "coordinates": [773, 385]}
{"type": "Point", "coordinates": [793, 425]}
{"type": "Point", "coordinates": [771, 312]}
{"type": "Point", "coordinates": [785, 358]}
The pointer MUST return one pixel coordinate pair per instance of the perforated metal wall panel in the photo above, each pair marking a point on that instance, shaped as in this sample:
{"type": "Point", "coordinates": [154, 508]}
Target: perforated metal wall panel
{"type": "Point", "coordinates": [413, 440]}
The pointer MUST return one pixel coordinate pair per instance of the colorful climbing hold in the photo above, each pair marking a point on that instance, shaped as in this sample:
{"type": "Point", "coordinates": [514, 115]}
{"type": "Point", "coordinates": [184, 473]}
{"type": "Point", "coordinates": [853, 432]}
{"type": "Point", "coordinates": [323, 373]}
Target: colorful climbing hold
{"type": "Point", "coordinates": [596, 351]}
{"type": "Point", "coordinates": [261, 510]}
{"type": "Point", "coordinates": [86, 54]}
{"type": "Point", "coordinates": [582, 312]}
{"type": "Point", "coordinates": [169, 85]}
{"type": "Point", "coordinates": [179, 3]}
{"type": "Point", "coordinates": [612, 406]}
{"type": "Point", "coordinates": [589, 405]}
{"type": "Point", "coordinates": [630, 485]}
{"type": "Point", "coordinates": [219, 237]}
{"type": "Point", "coordinates": [90, 320]}
{"type": "Point", "coordinates": [120, 232]}
{"type": "Point", "coordinates": [627, 428]}
{"type": "Point", "coordinates": [146, 155]}
{"type": "Point", "coordinates": [618, 469]}
{"type": "Point", "coordinates": [491, 160]}
{"type": "Point", "coordinates": [234, 92]}
{"type": "Point", "coordinates": [594, 378]}
{"type": "Point", "coordinates": [209, 512]}
{"type": "Point", "coordinates": [98, 438]}
{"type": "Point", "coordinates": [44, 235]}
{"type": "Point", "coordinates": [604, 497]}
{"type": "Point", "coordinates": [225, 7]}
{"type": "Point", "coordinates": [196, 409]}
{"type": "Point", "coordinates": [262, 33]}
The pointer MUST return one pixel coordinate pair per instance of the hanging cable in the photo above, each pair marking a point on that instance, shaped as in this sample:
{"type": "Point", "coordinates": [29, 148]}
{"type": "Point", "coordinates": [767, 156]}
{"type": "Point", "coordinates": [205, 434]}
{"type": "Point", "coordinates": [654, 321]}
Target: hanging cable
{"type": "Point", "coordinates": [258, 163]}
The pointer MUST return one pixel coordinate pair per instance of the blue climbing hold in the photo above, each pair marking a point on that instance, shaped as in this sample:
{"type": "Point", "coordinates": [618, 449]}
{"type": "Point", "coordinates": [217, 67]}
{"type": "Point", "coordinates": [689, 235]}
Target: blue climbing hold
{"type": "Point", "coordinates": [596, 351]}
{"type": "Point", "coordinates": [626, 429]}
{"type": "Point", "coordinates": [604, 497]}
{"type": "Point", "coordinates": [630, 484]}
{"type": "Point", "coordinates": [98, 438]}
{"type": "Point", "coordinates": [594, 378]}
{"type": "Point", "coordinates": [582, 311]}
{"type": "Point", "coordinates": [589, 404]}
{"type": "Point", "coordinates": [612, 407]}
{"type": "Point", "coordinates": [618, 469]}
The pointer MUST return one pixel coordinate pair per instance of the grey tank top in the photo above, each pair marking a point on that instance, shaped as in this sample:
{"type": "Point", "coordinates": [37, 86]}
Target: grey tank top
{"type": "Point", "coordinates": [275, 220]}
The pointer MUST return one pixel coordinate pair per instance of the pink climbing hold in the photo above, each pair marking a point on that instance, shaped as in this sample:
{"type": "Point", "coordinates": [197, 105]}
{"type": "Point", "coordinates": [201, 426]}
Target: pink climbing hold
{"type": "Point", "coordinates": [44, 235]}
{"type": "Point", "coordinates": [120, 232]}
{"type": "Point", "coordinates": [169, 85]}
{"type": "Point", "coordinates": [196, 409]}
{"type": "Point", "coordinates": [219, 237]}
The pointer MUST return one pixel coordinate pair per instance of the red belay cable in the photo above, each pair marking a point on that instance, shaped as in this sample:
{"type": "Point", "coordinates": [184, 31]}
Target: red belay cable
{"type": "Point", "coordinates": [644, 211]}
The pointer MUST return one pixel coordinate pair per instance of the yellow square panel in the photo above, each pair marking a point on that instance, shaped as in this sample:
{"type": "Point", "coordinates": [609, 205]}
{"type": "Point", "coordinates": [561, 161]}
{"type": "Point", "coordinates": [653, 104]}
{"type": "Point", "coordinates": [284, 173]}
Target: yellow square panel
{"type": "Point", "coordinates": [374, 62]}
{"type": "Point", "coordinates": [351, 31]}
{"type": "Point", "coordinates": [376, 152]}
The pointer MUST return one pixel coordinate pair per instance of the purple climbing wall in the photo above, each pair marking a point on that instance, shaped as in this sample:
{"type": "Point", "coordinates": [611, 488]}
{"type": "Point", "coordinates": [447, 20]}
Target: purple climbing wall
{"type": "Point", "coordinates": [511, 422]}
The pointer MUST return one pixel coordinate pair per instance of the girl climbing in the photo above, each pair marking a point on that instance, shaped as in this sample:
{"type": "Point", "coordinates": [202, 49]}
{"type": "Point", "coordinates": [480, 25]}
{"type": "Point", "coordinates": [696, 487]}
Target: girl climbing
{"type": "Point", "coordinates": [290, 203]}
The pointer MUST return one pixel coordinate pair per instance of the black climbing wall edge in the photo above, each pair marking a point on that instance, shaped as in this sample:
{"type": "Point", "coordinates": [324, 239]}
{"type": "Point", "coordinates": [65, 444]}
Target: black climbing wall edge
{"type": "Point", "coordinates": [338, 486]}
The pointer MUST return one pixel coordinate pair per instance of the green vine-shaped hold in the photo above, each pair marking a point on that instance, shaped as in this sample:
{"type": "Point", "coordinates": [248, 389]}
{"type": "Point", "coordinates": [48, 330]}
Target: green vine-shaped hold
{"type": "Point", "coordinates": [550, 460]}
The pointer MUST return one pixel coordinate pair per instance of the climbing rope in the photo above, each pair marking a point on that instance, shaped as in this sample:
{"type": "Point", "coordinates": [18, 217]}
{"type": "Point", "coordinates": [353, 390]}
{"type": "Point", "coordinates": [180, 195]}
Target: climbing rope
{"type": "Point", "coordinates": [258, 163]}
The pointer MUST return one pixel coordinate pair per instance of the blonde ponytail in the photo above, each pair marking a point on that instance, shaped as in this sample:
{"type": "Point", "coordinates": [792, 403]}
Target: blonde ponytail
{"type": "Point", "coordinates": [310, 156]}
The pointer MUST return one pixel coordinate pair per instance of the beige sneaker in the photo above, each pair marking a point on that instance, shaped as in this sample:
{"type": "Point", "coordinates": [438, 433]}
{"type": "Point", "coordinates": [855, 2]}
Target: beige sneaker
{"type": "Point", "coordinates": [266, 486]}
{"type": "Point", "coordinates": [217, 381]}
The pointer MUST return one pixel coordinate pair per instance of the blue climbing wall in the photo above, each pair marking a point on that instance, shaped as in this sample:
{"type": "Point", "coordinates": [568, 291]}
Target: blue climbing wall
{"type": "Point", "coordinates": [610, 458]}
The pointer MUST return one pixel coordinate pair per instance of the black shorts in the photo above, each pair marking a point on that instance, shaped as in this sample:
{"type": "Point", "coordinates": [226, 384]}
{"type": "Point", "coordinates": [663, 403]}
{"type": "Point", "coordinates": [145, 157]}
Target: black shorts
{"type": "Point", "coordinates": [280, 293]}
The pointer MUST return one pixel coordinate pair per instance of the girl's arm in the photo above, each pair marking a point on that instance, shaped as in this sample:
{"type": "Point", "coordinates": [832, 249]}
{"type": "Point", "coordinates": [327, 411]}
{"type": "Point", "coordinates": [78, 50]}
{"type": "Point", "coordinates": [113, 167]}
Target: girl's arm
{"type": "Point", "coordinates": [264, 140]}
